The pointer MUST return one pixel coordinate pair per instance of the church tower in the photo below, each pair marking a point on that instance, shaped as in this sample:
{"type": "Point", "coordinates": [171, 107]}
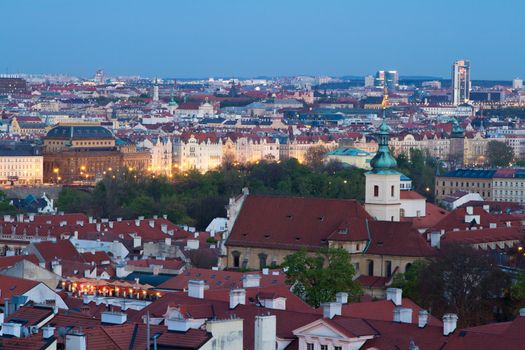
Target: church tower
{"type": "Point", "coordinates": [457, 145]}
{"type": "Point", "coordinates": [382, 198]}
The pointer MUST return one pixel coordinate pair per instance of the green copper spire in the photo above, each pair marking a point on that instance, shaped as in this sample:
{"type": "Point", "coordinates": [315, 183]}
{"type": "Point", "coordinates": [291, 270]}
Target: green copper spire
{"type": "Point", "coordinates": [457, 130]}
{"type": "Point", "coordinates": [383, 160]}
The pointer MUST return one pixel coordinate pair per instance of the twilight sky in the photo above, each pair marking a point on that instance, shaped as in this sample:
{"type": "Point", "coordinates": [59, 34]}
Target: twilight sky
{"type": "Point", "coordinates": [246, 38]}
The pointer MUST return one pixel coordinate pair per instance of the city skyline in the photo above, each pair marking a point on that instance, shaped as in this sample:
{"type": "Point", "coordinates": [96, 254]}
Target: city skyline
{"type": "Point", "coordinates": [238, 39]}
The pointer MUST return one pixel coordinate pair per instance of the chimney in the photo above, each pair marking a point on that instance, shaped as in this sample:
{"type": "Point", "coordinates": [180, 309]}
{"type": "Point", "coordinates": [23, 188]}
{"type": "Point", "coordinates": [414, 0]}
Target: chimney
{"type": "Point", "coordinates": [450, 322]}
{"type": "Point", "coordinates": [342, 298]}
{"type": "Point", "coordinates": [237, 296]}
{"type": "Point", "coordinates": [164, 228]}
{"type": "Point", "coordinates": [402, 314]}
{"type": "Point", "coordinates": [137, 222]}
{"type": "Point", "coordinates": [265, 271]}
{"type": "Point", "coordinates": [152, 223]}
{"type": "Point", "coordinates": [57, 267]}
{"type": "Point", "coordinates": [76, 341]}
{"type": "Point", "coordinates": [251, 280]}
{"type": "Point", "coordinates": [7, 218]}
{"type": "Point", "coordinates": [486, 207]}
{"type": "Point", "coordinates": [265, 332]}
{"type": "Point", "coordinates": [12, 328]}
{"type": "Point", "coordinates": [331, 309]}
{"type": "Point", "coordinates": [90, 219]}
{"type": "Point", "coordinates": [395, 295]}
{"type": "Point", "coordinates": [422, 318]}
{"type": "Point", "coordinates": [98, 227]}
{"type": "Point", "coordinates": [196, 289]}
{"type": "Point", "coordinates": [470, 210]}
{"type": "Point", "coordinates": [165, 217]}
{"type": "Point", "coordinates": [435, 239]}
{"type": "Point", "coordinates": [48, 332]}
{"type": "Point", "coordinates": [110, 317]}
{"type": "Point", "coordinates": [110, 224]}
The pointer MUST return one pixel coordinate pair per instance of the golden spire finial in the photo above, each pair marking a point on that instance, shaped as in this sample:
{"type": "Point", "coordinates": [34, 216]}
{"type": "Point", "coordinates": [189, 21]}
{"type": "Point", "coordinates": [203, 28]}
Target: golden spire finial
{"type": "Point", "coordinates": [384, 103]}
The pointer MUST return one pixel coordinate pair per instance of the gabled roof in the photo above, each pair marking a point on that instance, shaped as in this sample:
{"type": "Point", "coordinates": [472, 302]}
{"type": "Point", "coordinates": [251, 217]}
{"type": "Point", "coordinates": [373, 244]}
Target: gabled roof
{"type": "Point", "coordinates": [397, 238]}
{"type": "Point", "coordinates": [294, 222]}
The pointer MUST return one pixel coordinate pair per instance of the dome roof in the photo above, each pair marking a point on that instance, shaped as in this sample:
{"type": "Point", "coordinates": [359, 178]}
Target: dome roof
{"type": "Point", "coordinates": [383, 160]}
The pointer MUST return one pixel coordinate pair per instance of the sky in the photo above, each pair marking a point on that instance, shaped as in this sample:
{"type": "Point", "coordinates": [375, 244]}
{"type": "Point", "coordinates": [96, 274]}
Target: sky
{"type": "Point", "coordinates": [249, 38]}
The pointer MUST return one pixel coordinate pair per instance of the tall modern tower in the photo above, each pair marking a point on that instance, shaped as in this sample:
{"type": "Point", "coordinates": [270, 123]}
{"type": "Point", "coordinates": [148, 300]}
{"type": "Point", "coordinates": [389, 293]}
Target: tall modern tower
{"type": "Point", "coordinates": [460, 82]}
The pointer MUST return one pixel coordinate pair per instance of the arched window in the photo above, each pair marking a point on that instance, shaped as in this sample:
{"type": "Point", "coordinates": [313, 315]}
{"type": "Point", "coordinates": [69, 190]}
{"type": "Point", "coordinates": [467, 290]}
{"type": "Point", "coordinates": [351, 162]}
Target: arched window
{"type": "Point", "coordinates": [236, 258]}
{"type": "Point", "coordinates": [407, 267]}
{"type": "Point", "coordinates": [388, 268]}
{"type": "Point", "coordinates": [370, 267]}
{"type": "Point", "coordinates": [262, 260]}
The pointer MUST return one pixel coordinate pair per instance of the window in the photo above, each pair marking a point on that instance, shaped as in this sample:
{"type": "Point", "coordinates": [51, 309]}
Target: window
{"type": "Point", "coordinates": [309, 346]}
{"type": "Point", "coordinates": [388, 268]}
{"type": "Point", "coordinates": [338, 348]}
{"type": "Point", "coordinates": [236, 258]}
{"type": "Point", "coordinates": [262, 260]}
{"type": "Point", "coordinates": [392, 188]}
{"type": "Point", "coordinates": [324, 347]}
{"type": "Point", "coordinates": [376, 191]}
{"type": "Point", "coordinates": [370, 267]}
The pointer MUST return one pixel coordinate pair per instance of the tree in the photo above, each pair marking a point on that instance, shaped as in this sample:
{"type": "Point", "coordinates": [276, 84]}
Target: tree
{"type": "Point", "coordinates": [315, 156]}
{"type": "Point", "coordinates": [6, 208]}
{"type": "Point", "coordinates": [409, 280]}
{"type": "Point", "coordinates": [72, 200]}
{"type": "Point", "coordinates": [499, 154]}
{"type": "Point", "coordinates": [465, 281]}
{"type": "Point", "coordinates": [319, 276]}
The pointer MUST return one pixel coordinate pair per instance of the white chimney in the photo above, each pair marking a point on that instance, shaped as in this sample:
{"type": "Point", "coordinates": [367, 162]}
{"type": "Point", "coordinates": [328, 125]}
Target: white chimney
{"type": "Point", "coordinates": [450, 322]}
{"type": "Point", "coordinates": [331, 309]}
{"type": "Point", "coordinates": [48, 332]}
{"type": "Point", "coordinates": [237, 296]}
{"type": "Point", "coordinates": [402, 314]}
{"type": "Point", "coordinates": [265, 271]}
{"type": "Point", "coordinates": [76, 341]}
{"type": "Point", "coordinates": [265, 332]}
{"type": "Point", "coordinates": [57, 267]}
{"type": "Point", "coordinates": [12, 328]}
{"type": "Point", "coordinates": [137, 222]}
{"type": "Point", "coordinates": [196, 289]}
{"type": "Point", "coordinates": [341, 297]}
{"type": "Point", "coordinates": [470, 210]}
{"type": "Point", "coordinates": [90, 219]}
{"type": "Point", "coordinates": [422, 318]}
{"type": "Point", "coordinates": [152, 223]}
{"type": "Point", "coordinates": [486, 207]}
{"type": "Point", "coordinates": [98, 227]}
{"type": "Point", "coordinates": [110, 224]}
{"type": "Point", "coordinates": [113, 317]}
{"type": "Point", "coordinates": [395, 295]}
{"type": "Point", "coordinates": [435, 239]}
{"type": "Point", "coordinates": [164, 228]}
{"type": "Point", "coordinates": [251, 280]}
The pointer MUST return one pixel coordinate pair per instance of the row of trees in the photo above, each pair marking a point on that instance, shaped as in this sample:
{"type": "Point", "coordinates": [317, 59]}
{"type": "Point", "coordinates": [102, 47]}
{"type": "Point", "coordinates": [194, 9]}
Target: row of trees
{"type": "Point", "coordinates": [465, 281]}
{"type": "Point", "coordinates": [195, 199]}
{"type": "Point", "coordinates": [458, 279]}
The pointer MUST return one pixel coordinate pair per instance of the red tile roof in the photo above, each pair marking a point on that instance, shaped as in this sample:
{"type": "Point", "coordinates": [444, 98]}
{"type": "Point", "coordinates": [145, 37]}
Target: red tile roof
{"type": "Point", "coordinates": [397, 238]}
{"type": "Point", "coordinates": [487, 235]}
{"type": "Point", "coordinates": [383, 310]}
{"type": "Point", "coordinates": [220, 279]}
{"type": "Point", "coordinates": [11, 286]}
{"type": "Point", "coordinates": [294, 222]}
